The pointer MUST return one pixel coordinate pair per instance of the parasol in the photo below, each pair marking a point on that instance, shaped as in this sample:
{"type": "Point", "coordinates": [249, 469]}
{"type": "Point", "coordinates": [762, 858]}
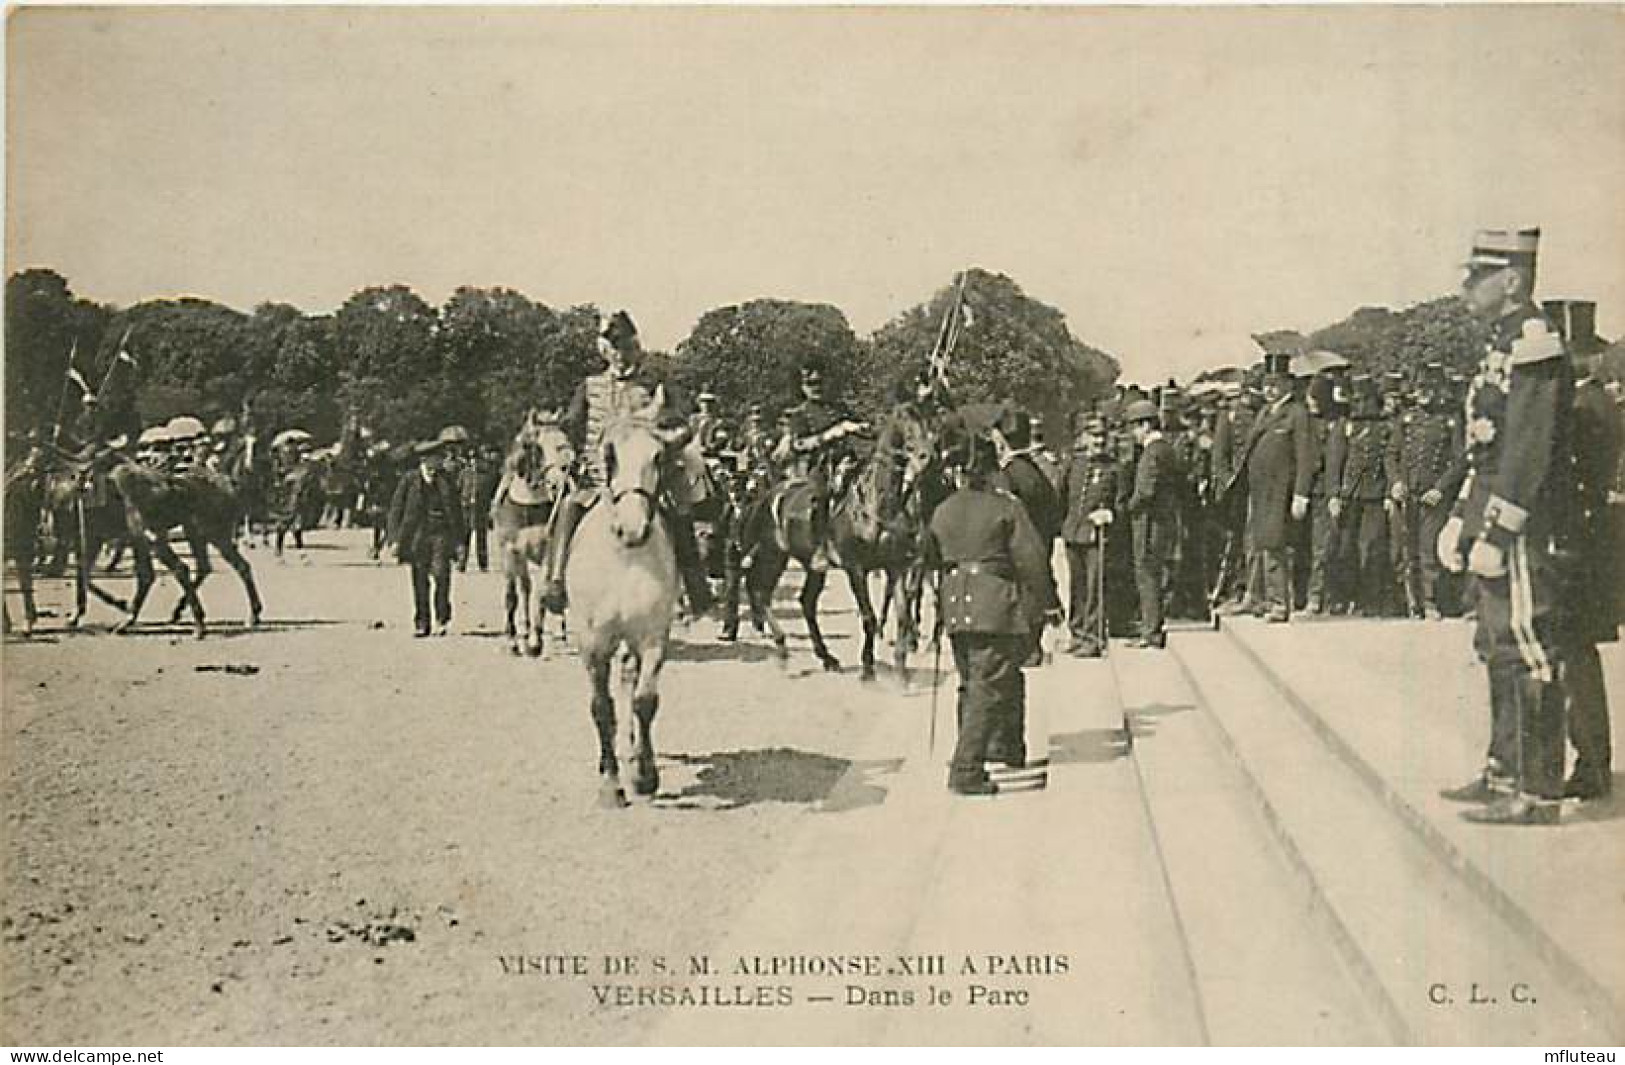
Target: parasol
{"type": "Point", "coordinates": [1312, 362]}
{"type": "Point", "coordinates": [289, 436]}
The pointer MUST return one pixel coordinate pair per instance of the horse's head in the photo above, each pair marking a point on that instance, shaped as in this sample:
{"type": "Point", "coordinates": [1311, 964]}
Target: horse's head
{"type": "Point", "coordinates": [542, 454]}
{"type": "Point", "coordinates": [633, 450]}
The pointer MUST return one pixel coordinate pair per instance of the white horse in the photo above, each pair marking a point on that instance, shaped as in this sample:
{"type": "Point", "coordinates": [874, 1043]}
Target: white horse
{"type": "Point", "coordinates": [622, 585]}
{"type": "Point", "coordinates": [534, 477]}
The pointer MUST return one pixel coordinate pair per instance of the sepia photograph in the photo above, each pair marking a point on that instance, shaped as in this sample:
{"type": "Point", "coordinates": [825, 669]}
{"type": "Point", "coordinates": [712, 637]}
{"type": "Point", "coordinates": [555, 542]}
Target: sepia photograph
{"type": "Point", "coordinates": [867, 526]}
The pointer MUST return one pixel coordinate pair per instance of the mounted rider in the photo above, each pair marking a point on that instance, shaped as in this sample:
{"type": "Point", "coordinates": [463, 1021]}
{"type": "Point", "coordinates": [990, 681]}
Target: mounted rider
{"type": "Point", "coordinates": [624, 386]}
{"type": "Point", "coordinates": [816, 450]}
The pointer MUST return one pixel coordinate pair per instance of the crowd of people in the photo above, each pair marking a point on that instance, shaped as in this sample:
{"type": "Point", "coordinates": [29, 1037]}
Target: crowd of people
{"type": "Point", "coordinates": [1293, 488]}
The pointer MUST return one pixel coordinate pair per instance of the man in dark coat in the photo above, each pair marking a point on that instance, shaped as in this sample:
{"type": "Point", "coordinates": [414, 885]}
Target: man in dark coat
{"type": "Point", "coordinates": [1517, 501]}
{"type": "Point", "coordinates": [427, 526]}
{"type": "Point", "coordinates": [1089, 490]}
{"type": "Point", "coordinates": [1231, 431]}
{"type": "Point", "coordinates": [1021, 476]}
{"type": "Point", "coordinates": [1327, 411]}
{"type": "Point", "coordinates": [995, 584]}
{"type": "Point", "coordinates": [1590, 557]}
{"type": "Point", "coordinates": [1277, 464]}
{"type": "Point", "coordinates": [1154, 508]}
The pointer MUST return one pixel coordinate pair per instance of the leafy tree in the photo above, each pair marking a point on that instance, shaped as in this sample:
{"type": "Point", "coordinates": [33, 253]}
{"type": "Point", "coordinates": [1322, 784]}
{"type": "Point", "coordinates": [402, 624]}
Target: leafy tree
{"type": "Point", "coordinates": [1378, 340]}
{"type": "Point", "coordinates": [43, 321]}
{"type": "Point", "coordinates": [390, 370]}
{"type": "Point", "coordinates": [1010, 346]}
{"type": "Point", "coordinates": [753, 353]}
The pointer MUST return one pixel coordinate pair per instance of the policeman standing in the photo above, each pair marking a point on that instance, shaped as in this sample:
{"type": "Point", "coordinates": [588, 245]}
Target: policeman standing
{"type": "Point", "coordinates": [995, 584]}
{"type": "Point", "coordinates": [1517, 499]}
{"type": "Point", "coordinates": [426, 524]}
{"type": "Point", "coordinates": [1428, 438]}
{"type": "Point", "coordinates": [1360, 504]}
{"type": "Point", "coordinates": [1154, 509]}
{"type": "Point", "coordinates": [1089, 490]}
{"type": "Point", "coordinates": [1590, 556]}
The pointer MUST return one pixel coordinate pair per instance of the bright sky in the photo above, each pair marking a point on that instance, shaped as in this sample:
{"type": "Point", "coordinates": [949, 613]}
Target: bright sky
{"type": "Point", "coordinates": [1171, 179]}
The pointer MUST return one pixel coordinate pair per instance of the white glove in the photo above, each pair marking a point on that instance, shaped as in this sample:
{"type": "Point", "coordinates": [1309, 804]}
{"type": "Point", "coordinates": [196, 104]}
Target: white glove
{"type": "Point", "coordinates": [1448, 546]}
{"type": "Point", "coordinates": [1101, 516]}
{"type": "Point", "coordinates": [1300, 507]}
{"type": "Point", "coordinates": [1487, 560]}
{"type": "Point", "coordinates": [1334, 506]}
{"type": "Point", "coordinates": [1397, 492]}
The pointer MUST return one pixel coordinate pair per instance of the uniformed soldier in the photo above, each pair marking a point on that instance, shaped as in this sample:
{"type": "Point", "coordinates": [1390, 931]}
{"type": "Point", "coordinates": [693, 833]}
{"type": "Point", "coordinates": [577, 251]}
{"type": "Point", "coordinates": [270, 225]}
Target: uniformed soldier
{"type": "Point", "coordinates": [1516, 501]}
{"type": "Point", "coordinates": [995, 584]}
{"type": "Point", "coordinates": [1277, 464]}
{"type": "Point", "coordinates": [1590, 557]}
{"type": "Point", "coordinates": [706, 422]}
{"type": "Point", "coordinates": [1153, 507]}
{"type": "Point", "coordinates": [1089, 491]}
{"type": "Point", "coordinates": [1428, 477]}
{"type": "Point", "coordinates": [816, 450]}
{"type": "Point", "coordinates": [624, 387]}
{"type": "Point", "coordinates": [1361, 502]}
{"type": "Point", "coordinates": [756, 440]}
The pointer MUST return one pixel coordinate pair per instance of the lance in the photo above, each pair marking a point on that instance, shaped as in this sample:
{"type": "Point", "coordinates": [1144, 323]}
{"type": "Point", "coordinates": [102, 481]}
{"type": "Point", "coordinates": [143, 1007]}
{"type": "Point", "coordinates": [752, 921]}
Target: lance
{"type": "Point", "coordinates": [948, 332]}
{"type": "Point", "coordinates": [120, 356]}
{"type": "Point", "coordinates": [69, 377]}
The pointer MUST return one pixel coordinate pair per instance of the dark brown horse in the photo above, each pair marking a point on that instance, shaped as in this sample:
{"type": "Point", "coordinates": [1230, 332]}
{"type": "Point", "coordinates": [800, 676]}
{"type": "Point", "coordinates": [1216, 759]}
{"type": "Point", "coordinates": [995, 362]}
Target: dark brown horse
{"type": "Point", "coordinates": [876, 524]}
{"type": "Point", "coordinates": [206, 510]}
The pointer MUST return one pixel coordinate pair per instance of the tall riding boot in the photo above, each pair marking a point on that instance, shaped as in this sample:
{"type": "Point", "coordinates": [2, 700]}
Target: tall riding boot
{"type": "Point", "coordinates": [690, 566]}
{"type": "Point", "coordinates": [558, 550]}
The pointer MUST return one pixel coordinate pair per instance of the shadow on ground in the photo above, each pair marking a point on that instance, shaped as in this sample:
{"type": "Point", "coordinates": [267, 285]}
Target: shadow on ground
{"type": "Point", "coordinates": [1143, 720]}
{"type": "Point", "coordinates": [729, 780]}
{"type": "Point", "coordinates": [1090, 746]}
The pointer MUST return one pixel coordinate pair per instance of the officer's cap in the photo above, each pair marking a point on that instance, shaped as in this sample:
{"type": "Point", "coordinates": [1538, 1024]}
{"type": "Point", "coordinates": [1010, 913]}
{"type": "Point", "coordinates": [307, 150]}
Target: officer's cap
{"type": "Point", "coordinates": [1495, 249]}
{"type": "Point", "coordinates": [707, 397]}
{"type": "Point", "coordinates": [1141, 410]}
{"type": "Point", "coordinates": [812, 375]}
{"type": "Point", "coordinates": [453, 434]}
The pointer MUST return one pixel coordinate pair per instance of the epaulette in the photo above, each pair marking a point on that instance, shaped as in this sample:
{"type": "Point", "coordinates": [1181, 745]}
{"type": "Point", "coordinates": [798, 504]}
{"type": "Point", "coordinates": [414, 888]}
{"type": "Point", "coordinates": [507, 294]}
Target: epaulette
{"type": "Point", "coordinates": [1537, 343]}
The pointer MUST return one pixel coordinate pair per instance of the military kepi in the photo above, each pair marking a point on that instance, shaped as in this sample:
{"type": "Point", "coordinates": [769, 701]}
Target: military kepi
{"type": "Point", "coordinates": [1495, 249]}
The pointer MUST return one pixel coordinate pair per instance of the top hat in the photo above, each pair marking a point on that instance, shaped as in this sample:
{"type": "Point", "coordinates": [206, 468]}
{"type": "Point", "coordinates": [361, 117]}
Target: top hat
{"type": "Point", "coordinates": [1576, 323]}
{"type": "Point", "coordinates": [1277, 364]}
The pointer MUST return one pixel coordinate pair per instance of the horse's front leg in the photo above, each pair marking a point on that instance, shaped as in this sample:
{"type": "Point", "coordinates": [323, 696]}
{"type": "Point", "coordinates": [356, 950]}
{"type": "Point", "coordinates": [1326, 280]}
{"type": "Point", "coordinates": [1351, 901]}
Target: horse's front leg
{"type": "Point", "coordinates": [858, 578]}
{"type": "Point", "coordinates": [812, 588]}
{"type": "Point", "coordinates": [535, 612]}
{"type": "Point", "coordinates": [645, 704]}
{"type": "Point", "coordinates": [610, 793]}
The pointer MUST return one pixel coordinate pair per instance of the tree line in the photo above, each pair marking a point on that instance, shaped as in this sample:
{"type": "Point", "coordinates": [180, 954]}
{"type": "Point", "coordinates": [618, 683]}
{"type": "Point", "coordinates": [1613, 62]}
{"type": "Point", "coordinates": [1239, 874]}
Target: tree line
{"type": "Point", "coordinates": [407, 367]}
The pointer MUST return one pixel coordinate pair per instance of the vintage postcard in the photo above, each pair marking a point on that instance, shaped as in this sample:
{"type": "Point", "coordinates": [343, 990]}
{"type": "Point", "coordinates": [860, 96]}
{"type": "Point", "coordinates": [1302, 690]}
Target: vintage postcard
{"type": "Point", "coordinates": [813, 526]}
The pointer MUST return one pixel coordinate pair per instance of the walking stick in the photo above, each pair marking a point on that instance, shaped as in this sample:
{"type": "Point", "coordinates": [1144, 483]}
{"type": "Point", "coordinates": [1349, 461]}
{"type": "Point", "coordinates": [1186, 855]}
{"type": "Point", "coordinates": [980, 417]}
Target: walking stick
{"type": "Point", "coordinates": [936, 660]}
{"type": "Point", "coordinates": [1101, 622]}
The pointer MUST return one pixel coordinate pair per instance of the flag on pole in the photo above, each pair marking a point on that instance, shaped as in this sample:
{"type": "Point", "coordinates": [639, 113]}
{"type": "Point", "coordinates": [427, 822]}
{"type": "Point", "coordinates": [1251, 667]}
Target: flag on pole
{"type": "Point", "coordinates": [79, 379]}
{"type": "Point", "coordinates": [953, 323]}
